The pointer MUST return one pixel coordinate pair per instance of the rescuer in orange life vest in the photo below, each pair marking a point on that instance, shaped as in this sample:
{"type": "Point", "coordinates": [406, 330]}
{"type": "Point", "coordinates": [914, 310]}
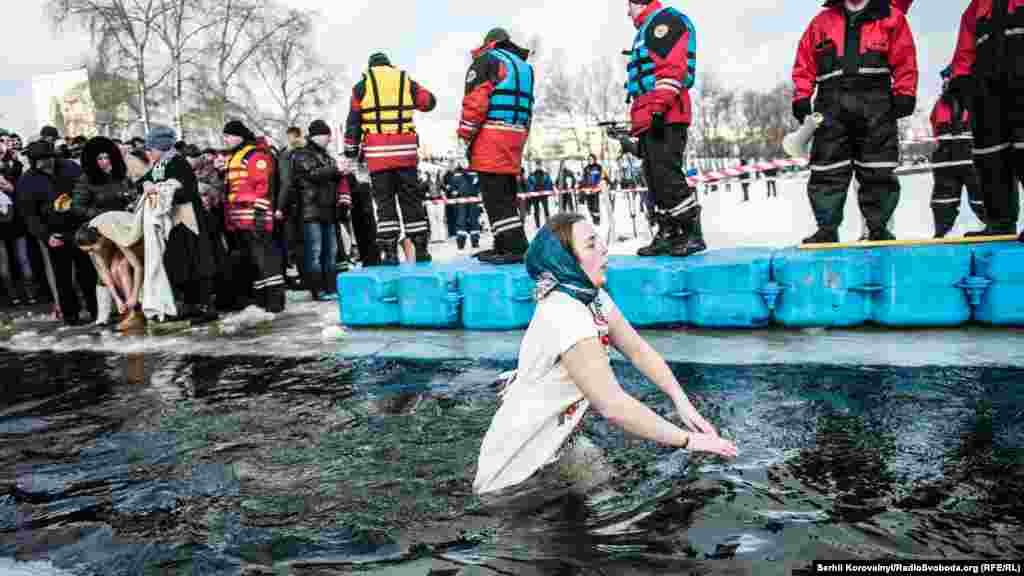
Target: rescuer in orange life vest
{"type": "Point", "coordinates": [250, 185]}
{"type": "Point", "coordinates": [380, 120]}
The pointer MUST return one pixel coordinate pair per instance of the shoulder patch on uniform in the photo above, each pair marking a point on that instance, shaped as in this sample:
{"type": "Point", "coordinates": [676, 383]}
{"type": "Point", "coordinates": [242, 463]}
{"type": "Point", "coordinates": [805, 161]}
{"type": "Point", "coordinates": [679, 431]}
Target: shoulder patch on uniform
{"type": "Point", "coordinates": [261, 164]}
{"type": "Point", "coordinates": [471, 76]}
{"type": "Point", "coordinates": [661, 31]}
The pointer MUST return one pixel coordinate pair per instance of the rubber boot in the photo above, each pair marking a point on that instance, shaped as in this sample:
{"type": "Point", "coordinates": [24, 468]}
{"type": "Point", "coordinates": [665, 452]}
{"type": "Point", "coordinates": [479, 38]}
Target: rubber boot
{"type": "Point", "coordinates": [511, 248]}
{"type": "Point", "coordinates": [992, 231]}
{"type": "Point", "coordinates": [422, 244]}
{"type": "Point", "coordinates": [474, 239]}
{"type": "Point", "coordinates": [104, 305]}
{"type": "Point", "coordinates": [691, 241]}
{"type": "Point", "coordinates": [314, 282]}
{"type": "Point", "coordinates": [880, 235]}
{"type": "Point", "coordinates": [388, 253]}
{"type": "Point", "coordinates": [661, 245]}
{"type": "Point", "coordinates": [823, 236]}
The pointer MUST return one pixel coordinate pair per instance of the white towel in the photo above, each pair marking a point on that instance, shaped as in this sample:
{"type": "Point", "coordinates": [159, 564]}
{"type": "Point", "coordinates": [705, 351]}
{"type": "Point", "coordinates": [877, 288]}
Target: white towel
{"type": "Point", "coordinates": [157, 297]}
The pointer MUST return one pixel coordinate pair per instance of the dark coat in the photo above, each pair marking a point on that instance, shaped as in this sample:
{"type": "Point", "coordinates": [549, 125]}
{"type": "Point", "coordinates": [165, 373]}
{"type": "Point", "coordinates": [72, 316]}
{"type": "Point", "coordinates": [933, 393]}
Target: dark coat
{"type": "Point", "coordinates": [36, 194]}
{"type": "Point", "coordinates": [315, 179]}
{"type": "Point", "coordinates": [205, 264]}
{"type": "Point", "coordinates": [96, 191]}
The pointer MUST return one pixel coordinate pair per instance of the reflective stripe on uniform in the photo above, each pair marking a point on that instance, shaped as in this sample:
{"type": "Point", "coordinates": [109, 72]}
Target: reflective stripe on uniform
{"type": "Point", "coordinates": [991, 149]}
{"type": "Point", "coordinates": [827, 167]}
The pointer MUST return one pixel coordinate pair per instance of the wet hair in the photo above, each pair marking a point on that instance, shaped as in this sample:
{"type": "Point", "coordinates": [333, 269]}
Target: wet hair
{"type": "Point", "coordinates": [87, 236]}
{"type": "Point", "coordinates": [561, 226]}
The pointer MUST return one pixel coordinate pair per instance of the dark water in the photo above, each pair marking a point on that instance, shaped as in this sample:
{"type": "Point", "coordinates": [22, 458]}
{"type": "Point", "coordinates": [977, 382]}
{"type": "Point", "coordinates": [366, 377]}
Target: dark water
{"type": "Point", "coordinates": [152, 464]}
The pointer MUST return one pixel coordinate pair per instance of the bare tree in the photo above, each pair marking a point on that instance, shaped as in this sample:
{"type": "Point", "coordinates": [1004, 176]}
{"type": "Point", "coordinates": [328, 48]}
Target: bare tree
{"type": "Point", "coordinates": [180, 28]}
{"type": "Point", "coordinates": [297, 82]}
{"type": "Point", "coordinates": [243, 27]}
{"type": "Point", "coordinates": [125, 28]}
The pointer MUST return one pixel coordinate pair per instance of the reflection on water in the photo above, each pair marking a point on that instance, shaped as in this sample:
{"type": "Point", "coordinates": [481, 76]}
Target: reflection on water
{"type": "Point", "coordinates": [121, 464]}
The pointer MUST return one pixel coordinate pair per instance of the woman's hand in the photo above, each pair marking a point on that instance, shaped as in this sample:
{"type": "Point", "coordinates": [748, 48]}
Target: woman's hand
{"type": "Point", "coordinates": [693, 420]}
{"type": "Point", "coordinates": [711, 443]}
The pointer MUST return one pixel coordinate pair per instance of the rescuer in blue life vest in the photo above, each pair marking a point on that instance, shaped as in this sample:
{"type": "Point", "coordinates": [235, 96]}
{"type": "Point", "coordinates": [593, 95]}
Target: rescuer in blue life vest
{"type": "Point", "coordinates": [661, 71]}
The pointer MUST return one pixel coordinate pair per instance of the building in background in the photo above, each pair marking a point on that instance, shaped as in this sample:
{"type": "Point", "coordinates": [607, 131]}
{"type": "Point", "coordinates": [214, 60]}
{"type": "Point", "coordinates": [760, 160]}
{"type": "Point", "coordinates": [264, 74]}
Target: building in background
{"type": "Point", "coordinates": [63, 99]}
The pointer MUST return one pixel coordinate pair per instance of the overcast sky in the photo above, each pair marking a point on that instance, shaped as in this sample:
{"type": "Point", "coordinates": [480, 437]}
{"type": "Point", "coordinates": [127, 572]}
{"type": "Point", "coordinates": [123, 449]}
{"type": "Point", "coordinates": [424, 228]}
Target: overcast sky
{"type": "Point", "coordinates": [751, 43]}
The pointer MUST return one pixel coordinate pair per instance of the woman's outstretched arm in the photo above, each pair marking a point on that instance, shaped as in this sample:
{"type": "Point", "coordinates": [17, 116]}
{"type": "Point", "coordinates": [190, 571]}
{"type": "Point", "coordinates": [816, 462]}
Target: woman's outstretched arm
{"type": "Point", "coordinates": [587, 364]}
{"type": "Point", "coordinates": [650, 363]}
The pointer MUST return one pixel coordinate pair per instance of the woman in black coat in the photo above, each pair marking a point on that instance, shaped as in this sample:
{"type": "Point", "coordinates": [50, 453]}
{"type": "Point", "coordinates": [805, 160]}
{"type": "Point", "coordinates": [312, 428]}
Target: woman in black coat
{"type": "Point", "coordinates": [190, 259]}
{"type": "Point", "coordinates": [104, 184]}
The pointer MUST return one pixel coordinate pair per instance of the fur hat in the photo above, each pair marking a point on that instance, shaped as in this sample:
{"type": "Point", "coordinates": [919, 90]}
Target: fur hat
{"type": "Point", "coordinates": [319, 128]}
{"type": "Point", "coordinates": [161, 138]}
{"type": "Point", "coordinates": [237, 128]}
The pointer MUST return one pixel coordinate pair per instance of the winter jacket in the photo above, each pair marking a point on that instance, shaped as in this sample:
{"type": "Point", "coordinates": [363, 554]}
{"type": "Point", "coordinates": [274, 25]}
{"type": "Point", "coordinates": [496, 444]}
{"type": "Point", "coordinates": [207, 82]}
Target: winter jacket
{"type": "Point", "coordinates": [315, 178]}
{"type": "Point", "coordinates": [539, 181]}
{"type": "Point", "coordinates": [380, 119]}
{"type": "Point", "coordinates": [661, 67]}
{"type": "Point", "coordinates": [991, 42]}
{"type": "Point", "coordinates": [250, 185]}
{"type": "Point", "coordinates": [285, 199]}
{"type": "Point", "coordinates": [879, 53]}
{"type": "Point", "coordinates": [949, 118]}
{"type": "Point", "coordinates": [592, 176]}
{"type": "Point", "coordinates": [463, 184]}
{"type": "Point", "coordinates": [37, 193]}
{"type": "Point", "coordinates": [494, 85]}
{"type": "Point", "coordinates": [96, 191]}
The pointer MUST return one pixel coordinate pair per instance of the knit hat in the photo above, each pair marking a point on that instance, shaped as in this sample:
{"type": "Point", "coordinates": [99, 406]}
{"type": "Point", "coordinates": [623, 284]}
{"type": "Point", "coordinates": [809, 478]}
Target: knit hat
{"type": "Point", "coordinates": [236, 128]}
{"type": "Point", "coordinates": [379, 59]}
{"type": "Point", "coordinates": [161, 138]}
{"type": "Point", "coordinates": [497, 35]}
{"type": "Point", "coordinates": [40, 149]}
{"type": "Point", "coordinates": [49, 132]}
{"type": "Point", "coordinates": [319, 128]}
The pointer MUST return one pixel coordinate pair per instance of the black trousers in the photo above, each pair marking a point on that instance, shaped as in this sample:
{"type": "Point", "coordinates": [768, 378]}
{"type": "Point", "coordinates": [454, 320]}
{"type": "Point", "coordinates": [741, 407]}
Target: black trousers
{"type": "Point", "coordinates": [260, 264]}
{"type": "Point", "coordinates": [535, 205]}
{"type": "Point", "coordinates": [859, 135]}
{"type": "Point", "coordinates": [399, 187]}
{"type": "Point", "coordinates": [499, 193]}
{"type": "Point", "coordinates": [948, 186]}
{"type": "Point", "coordinates": [364, 223]}
{"type": "Point", "coordinates": [593, 205]}
{"type": "Point", "coordinates": [68, 263]}
{"type": "Point", "coordinates": [998, 127]}
{"type": "Point", "coordinates": [666, 178]}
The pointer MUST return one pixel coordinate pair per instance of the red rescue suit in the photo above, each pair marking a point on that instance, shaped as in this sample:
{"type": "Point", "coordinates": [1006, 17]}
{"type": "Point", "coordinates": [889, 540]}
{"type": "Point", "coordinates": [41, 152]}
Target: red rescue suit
{"type": "Point", "coordinates": [988, 78]}
{"type": "Point", "coordinates": [863, 68]}
{"type": "Point", "coordinates": [952, 166]}
{"type": "Point", "coordinates": [250, 186]}
{"type": "Point", "coordinates": [670, 63]}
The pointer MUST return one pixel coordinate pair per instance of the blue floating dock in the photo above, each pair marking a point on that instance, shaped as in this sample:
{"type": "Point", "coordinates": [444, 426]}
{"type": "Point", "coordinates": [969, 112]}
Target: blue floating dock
{"type": "Point", "coordinates": [930, 285]}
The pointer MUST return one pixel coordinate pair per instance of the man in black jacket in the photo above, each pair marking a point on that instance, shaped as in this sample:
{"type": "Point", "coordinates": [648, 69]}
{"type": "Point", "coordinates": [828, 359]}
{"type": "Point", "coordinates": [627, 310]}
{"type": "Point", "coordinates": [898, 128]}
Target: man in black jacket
{"type": "Point", "coordinates": [315, 178]}
{"type": "Point", "coordinates": [44, 200]}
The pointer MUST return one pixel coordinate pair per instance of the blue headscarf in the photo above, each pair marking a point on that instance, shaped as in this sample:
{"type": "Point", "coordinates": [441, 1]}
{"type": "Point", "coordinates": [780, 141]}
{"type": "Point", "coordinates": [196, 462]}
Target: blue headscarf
{"type": "Point", "coordinates": [553, 267]}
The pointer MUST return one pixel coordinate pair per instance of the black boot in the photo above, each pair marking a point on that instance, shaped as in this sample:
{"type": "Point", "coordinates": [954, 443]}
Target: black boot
{"type": "Point", "coordinates": [823, 236]}
{"type": "Point", "coordinates": [422, 244]}
{"type": "Point", "coordinates": [510, 248]}
{"type": "Point", "coordinates": [460, 241]}
{"type": "Point", "coordinates": [992, 231]}
{"type": "Point", "coordinates": [388, 253]}
{"type": "Point", "coordinates": [474, 240]}
{"type": "Point", "coordinates": [880, 235]}
{"type": "Point", "coordinates": [691, 241]}
{"type": "Point", "coordinates": [661, 245]}
{"type": "Point", "coordinates": [314, 283]}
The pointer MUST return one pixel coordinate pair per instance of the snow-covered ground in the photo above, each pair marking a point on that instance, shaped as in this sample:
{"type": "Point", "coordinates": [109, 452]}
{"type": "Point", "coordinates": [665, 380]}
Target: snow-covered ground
{"type": "Point", "coordinates": [308, 328]}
